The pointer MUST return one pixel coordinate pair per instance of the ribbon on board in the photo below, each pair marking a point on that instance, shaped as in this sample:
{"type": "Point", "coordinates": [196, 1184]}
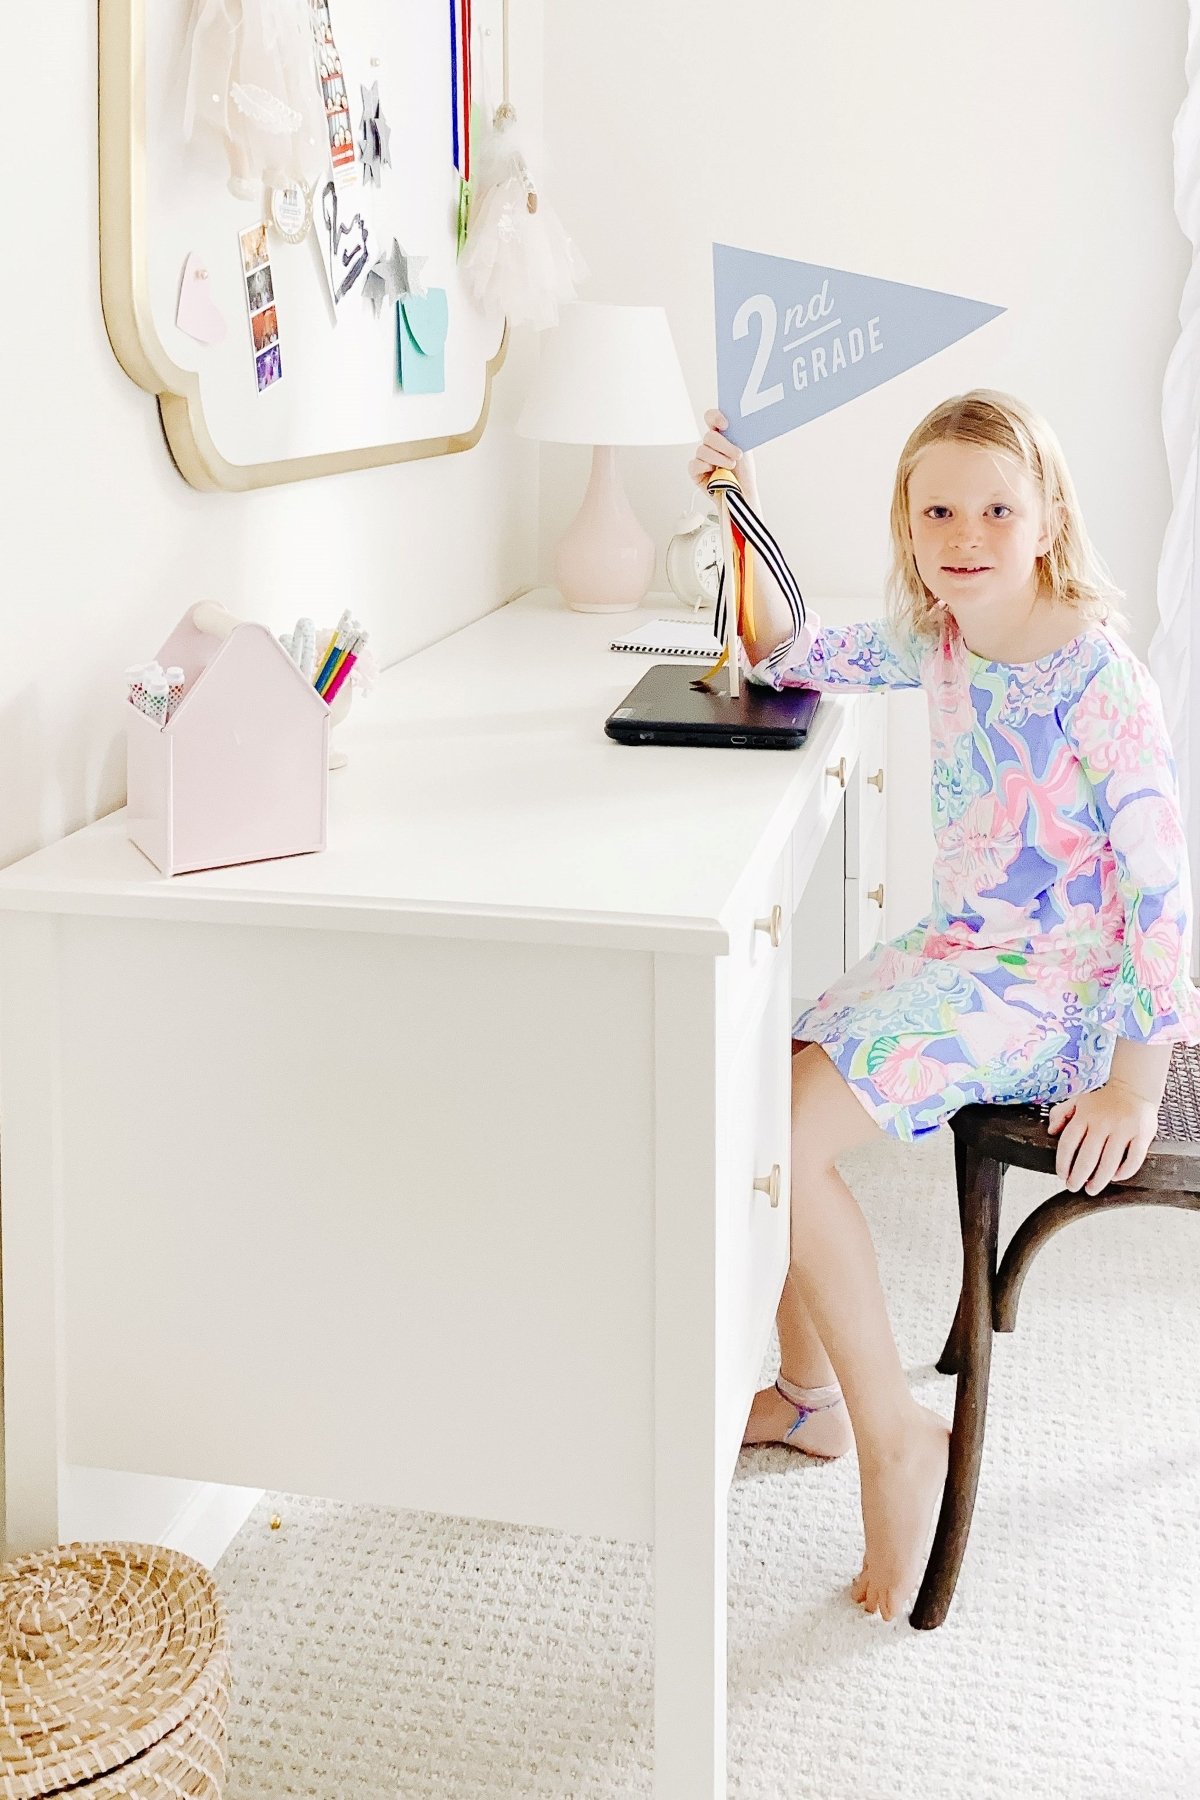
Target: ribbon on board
{"type": "Point", "coordinates": [745, 536]}
{"type": "Point", "coordinates": [461, 46]}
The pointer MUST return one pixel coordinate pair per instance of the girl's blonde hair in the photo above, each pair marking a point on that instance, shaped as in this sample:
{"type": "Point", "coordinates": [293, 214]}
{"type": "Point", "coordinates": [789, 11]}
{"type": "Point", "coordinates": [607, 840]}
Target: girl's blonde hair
{"type": "Point", "coordinates": [1071, 571]}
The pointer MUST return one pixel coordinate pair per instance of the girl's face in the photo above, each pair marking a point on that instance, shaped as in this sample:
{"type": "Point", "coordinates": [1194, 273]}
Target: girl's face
{"type": "Point", "coordinates": [975, 517]}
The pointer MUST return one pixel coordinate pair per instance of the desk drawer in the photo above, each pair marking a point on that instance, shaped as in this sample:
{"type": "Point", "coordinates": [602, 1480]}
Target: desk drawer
{"type": "Point", "coordinates": [837, 749]}
{"type": "Point", "coordinates": [758, 1114]}
{"type": "Point", "coordinates": [865, 802]}
{"type": "Point", "coordinates": [758, 943]}
{"type": "Point", "coordinates": [864, 919]}
{"type": "Point", "coordinates": [865, 896]}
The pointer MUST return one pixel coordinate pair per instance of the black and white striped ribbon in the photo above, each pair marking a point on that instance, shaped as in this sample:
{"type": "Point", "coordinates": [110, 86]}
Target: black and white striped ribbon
{"type": "Point", "coordinates": [763, 544]}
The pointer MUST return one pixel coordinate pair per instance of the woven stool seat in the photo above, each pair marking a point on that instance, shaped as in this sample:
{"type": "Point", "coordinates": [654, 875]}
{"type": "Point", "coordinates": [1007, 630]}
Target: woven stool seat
{"type": "Point", "coordinates": [988, 1140]}
{"type": "Point", "coordinates": [1179, 1114]}
{"type": "Point", "coordinates": [114, 1675]}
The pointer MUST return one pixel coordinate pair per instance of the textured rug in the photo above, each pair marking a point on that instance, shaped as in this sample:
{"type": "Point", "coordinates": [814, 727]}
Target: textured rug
{"type": "Point", "coordinates": [381, 1654]}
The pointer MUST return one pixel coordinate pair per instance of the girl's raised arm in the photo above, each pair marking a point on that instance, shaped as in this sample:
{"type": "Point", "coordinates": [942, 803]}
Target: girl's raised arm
{"type": "Point", "coordinates": [1117, 730]}
{"type": "Point", "coordinates": [872, 653]}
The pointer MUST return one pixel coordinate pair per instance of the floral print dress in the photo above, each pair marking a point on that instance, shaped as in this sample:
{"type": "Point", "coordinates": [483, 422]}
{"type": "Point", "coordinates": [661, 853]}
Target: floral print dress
{"type": "Point", "coordinates": [1061, 915]}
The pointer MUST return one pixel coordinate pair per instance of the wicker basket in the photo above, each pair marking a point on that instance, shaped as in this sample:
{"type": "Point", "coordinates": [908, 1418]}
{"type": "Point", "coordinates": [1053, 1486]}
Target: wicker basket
{"type": "Point", "coordinates": [114, 1675]}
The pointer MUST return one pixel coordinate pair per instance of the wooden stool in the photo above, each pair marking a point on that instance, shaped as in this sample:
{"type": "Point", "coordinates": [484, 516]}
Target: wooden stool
{"type": "Point", "coordinates": [987, 1139]}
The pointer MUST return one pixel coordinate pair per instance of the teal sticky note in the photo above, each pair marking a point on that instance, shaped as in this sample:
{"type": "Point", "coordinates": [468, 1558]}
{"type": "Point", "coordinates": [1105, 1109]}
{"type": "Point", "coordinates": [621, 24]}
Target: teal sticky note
{"type": "Point", "coordinates": [422, 323]}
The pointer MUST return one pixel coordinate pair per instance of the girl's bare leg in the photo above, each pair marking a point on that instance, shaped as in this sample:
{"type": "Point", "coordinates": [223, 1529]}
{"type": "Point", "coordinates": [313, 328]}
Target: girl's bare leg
{"type": "Point", "coordinates": [804, 1364]}
{"type": "Point", "coordinates": [902, 1446]}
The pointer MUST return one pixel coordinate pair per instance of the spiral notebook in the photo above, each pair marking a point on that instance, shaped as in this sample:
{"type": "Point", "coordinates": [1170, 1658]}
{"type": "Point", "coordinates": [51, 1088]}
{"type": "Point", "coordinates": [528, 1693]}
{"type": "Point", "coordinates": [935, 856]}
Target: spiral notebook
{"type": "Point", "coordinates": [672, 637]}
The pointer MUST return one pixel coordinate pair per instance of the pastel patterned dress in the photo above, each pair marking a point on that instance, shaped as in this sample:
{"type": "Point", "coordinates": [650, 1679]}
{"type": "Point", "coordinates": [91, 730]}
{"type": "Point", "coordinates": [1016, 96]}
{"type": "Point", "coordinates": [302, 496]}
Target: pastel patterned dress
{"type": "Point", "coordinates": [1061, 915]}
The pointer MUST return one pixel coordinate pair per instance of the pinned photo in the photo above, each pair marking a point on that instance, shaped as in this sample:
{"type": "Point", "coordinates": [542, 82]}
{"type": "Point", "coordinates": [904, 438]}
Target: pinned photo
{"type": "Point", "coordinates": [260, 305]}
{"type": "Point", "coordinates": [260, 290]}
{"type": "Point", "coordinates": [333, 88]}
{"type": "Point", "coordinates": [264, 328]}
{"type": "Point", "coordinates": [254, 247]}
{"type": "Point", "coordinates": [268, 367]}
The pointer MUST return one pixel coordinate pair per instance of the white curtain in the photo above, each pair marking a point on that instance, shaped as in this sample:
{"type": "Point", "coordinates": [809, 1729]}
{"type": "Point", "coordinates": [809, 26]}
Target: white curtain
{"type": "Point", "coordinates": [1174, 654]}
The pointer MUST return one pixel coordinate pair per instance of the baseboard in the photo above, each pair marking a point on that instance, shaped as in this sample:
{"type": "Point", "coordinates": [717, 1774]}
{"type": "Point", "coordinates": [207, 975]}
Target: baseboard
{"type": "Point", "coordinates": [199, 1518]}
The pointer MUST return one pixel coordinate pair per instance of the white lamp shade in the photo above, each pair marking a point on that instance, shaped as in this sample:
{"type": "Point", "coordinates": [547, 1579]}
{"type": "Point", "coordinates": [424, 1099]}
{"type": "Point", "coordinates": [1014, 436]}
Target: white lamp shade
{"type": "Point", "coordinates": [609, 375]}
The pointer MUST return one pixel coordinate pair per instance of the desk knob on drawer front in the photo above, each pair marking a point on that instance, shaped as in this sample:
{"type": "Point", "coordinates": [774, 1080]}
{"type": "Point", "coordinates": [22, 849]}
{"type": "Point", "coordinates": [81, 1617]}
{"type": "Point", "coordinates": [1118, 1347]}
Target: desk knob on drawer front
{"type": "Point", "coordinates": [876, 894]}
{"type": "Point", "coordinates": [838, 769]}
{"type": "Point", "coordinates": [770, 1184]}
{"type": "Point", "coordinates": [773, 926]}
{"type": "Point", "coordinates": [876, 780]}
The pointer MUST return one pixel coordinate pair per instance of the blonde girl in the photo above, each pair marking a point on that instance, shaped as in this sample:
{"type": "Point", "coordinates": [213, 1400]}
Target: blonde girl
{"type": "Point", "coordinates": [1052, 965]}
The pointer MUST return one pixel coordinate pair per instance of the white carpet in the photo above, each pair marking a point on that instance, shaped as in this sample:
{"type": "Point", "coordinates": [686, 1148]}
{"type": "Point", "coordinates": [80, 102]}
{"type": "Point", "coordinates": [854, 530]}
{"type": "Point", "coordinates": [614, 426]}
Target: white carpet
{"type": "Point", "coordinates": [382, 1654]}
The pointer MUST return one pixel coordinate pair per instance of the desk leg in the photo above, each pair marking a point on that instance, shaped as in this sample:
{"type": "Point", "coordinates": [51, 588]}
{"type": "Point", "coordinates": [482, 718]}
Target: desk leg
{"type": "Point", "coordinates": [690, 1488]}
{"type": "Point", "coordinates": [30, 1197]}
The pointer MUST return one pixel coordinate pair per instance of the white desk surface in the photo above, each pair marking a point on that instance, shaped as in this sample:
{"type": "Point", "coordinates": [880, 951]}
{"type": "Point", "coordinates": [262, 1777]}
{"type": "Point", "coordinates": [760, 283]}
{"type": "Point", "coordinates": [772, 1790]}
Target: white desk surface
{"type": "Point", "coordinates": [482, 798]}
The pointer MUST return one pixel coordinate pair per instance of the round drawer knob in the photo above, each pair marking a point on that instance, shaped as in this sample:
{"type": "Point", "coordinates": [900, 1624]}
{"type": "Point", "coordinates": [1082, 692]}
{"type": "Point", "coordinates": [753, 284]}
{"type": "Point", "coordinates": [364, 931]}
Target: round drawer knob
{"type": "Point", "coordinates": [876, 894]}
{"type": "Point", "coordinates": [838, 769]}
{"type": "Point", "coordinates": [769, 1184]}
{"type": "Point", "coordinates": [773, 926]}
{"type": "Point", "coordinates": [876, 780]}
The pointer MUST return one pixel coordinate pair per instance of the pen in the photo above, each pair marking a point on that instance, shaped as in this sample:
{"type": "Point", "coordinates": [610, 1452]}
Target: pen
{"type": "Point", "coordinates": [346, 661]}
{"type": "Point", "coordinates": [331, 692]}
{"type": "Point", "coordinates": [331, 648]}
{"type": "Point", "coordinates": [345, 638]}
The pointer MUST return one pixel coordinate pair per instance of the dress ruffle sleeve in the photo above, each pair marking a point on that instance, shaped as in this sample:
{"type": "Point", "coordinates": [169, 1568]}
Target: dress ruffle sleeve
{"type": "Point", "coordinates": [873, 653]}
{"type": "Point", "coordinates": [1117, 730]}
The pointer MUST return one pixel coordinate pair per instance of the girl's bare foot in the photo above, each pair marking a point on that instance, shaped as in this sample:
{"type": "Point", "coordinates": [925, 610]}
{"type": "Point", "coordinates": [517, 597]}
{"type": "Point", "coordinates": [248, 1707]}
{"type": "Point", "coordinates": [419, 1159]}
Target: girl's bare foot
{"type": "Point", "coordinates": [774, 1419]}
{"type": "Point", "coordinates": [900, 1492]}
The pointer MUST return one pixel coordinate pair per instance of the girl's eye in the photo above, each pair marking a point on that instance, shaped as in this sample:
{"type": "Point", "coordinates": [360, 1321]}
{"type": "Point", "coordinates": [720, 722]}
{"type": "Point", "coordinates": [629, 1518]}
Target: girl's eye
{"type": "Point", "coordinates": [998, 507]}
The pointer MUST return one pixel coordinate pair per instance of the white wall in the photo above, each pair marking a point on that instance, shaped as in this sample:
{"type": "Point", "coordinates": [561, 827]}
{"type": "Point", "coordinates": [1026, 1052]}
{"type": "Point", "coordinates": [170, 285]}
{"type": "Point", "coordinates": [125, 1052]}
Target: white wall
{"type": "Point", "coordinates": [1019, 155]}
{"type": "Point", "coordinates": [104, 543]}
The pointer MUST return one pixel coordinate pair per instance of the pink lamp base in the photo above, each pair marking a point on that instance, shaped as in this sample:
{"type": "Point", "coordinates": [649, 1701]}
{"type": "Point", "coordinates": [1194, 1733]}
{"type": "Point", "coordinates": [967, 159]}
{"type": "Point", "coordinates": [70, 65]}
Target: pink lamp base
{"type": "Point", "coordinates": [604, 561]}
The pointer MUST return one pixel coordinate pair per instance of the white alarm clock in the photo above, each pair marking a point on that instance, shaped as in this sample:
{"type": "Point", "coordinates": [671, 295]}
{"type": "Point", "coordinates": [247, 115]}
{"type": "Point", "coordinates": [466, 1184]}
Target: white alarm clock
{"type": "Point", "coordinates": [693, 559]}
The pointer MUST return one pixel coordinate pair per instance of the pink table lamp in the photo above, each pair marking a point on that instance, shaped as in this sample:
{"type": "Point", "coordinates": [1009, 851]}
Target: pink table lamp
{"type": "Point", "coordinates": [607, 375]}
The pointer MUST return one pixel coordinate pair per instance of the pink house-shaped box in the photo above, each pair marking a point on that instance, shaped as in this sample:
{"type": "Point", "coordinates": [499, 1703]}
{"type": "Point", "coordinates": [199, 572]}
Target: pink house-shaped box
{"type": "Point", "coordinates": [240, 772]}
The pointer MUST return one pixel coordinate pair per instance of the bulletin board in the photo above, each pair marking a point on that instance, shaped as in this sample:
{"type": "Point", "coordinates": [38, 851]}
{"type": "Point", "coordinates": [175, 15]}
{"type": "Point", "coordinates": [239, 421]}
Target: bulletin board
{"type": "Point", "coordinates": [332, 397]}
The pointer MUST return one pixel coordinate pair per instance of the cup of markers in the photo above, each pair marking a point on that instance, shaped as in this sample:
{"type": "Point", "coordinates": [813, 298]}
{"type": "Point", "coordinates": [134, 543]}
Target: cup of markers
{"type": "Point", "coordinates": [154, 690]}
{"type": "Point", "coordinates": [340, 650]}
{"type": "Point", "coordinates": [328, 662]}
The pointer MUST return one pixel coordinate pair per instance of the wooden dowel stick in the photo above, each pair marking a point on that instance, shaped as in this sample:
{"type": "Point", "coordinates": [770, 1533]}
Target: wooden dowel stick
{"type": "Point", "coordinates": [731, 593]}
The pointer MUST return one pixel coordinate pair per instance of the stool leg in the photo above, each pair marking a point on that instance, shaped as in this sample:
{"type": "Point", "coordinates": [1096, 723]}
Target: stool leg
{"type": "Point", "coordinates": [950, 1361]}
{"type": "Point", "coordinates": [981, 1181]}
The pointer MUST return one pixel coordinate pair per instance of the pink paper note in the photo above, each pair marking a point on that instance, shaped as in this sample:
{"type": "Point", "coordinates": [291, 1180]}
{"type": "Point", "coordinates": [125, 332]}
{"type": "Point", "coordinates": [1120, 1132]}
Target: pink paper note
{"type": "Point", "coordinates": [197, 312]}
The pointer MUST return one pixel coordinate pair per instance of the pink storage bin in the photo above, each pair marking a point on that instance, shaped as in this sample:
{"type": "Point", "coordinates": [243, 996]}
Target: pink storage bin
{"type": "Point", "coordinates": [240, 773]}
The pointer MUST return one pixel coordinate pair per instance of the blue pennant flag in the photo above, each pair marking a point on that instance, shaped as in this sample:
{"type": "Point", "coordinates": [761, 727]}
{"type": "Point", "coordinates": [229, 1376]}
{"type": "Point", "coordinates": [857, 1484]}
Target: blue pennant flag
{"type": "Point", "coordinates": [797, 339]}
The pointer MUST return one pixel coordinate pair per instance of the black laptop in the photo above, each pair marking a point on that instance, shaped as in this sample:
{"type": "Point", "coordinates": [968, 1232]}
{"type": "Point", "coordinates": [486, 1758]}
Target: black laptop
{"type": "Point", "coordinates": [665, 708]}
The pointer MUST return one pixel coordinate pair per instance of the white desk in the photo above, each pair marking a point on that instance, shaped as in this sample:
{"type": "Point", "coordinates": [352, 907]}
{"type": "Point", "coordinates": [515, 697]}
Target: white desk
{"type": "Point", "coordinates": [461, 1119]}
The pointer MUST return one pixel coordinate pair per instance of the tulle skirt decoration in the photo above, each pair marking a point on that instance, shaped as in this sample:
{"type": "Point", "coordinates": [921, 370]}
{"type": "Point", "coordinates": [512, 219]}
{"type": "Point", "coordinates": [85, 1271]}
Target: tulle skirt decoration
{"type": "Point", "coordinates": [517, 259]}
{"type": "Point", "coordinates": [251, 80]}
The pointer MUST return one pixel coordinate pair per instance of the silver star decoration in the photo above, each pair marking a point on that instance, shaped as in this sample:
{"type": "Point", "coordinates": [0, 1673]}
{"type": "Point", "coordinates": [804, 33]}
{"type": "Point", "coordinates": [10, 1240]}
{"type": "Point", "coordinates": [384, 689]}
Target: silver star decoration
{"type": "Point", "coordinates": [374, 137]}
{"type": "Point", "coordinates": [392, 276]}
{"type": "Point", "coordinates": [412, 282]}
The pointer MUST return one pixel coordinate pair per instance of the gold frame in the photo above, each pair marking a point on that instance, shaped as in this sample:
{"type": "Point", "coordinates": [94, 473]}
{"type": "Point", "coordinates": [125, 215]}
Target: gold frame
{"type": "Point", "coordinates": [125, 297]}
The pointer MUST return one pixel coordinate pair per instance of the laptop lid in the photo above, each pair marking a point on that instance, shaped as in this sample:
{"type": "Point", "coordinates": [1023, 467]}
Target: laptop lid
{"type": "Point", "coordinates": [664, 708]}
